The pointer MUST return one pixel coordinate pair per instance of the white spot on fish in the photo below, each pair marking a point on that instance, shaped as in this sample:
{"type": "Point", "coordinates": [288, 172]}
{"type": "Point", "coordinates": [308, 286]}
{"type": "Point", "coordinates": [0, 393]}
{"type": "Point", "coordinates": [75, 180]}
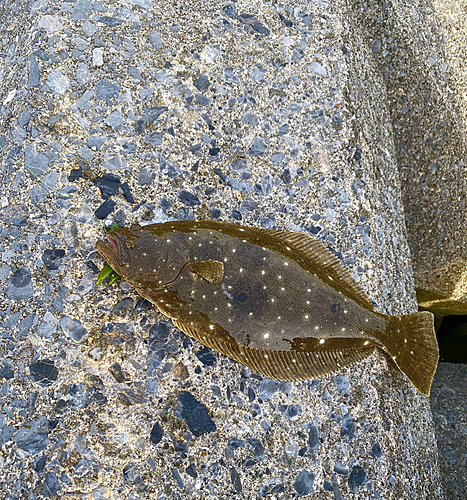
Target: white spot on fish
{"type": "Point", "coordinates": [306, 316]}
{"type": "Point", "coordinates": [211, 327]}
{"type": "Point", "coordinates": [266, 335]}
{"type": "Point", "coordinates": [286, 263]}
{"type": "Point", "coordinates": [322, 341]}
{"type": "Point", "coordinates": [366, 341]}
{"type": "Point", "coordinates": [330, 278]}
{"type": "Point", "coordinates": [263, 272]}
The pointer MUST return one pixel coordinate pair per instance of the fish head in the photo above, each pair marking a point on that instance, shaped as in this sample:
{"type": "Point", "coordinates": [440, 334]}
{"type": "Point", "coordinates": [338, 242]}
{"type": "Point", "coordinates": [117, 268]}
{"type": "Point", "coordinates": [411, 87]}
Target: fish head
{"type": "Point", "coordinates": [141, 257]}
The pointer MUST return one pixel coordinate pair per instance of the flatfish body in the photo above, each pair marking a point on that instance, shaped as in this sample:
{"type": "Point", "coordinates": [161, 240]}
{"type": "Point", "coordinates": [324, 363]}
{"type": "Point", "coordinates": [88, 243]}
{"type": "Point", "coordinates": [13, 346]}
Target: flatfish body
{"type": "Point", "coordinates": [277, 301]}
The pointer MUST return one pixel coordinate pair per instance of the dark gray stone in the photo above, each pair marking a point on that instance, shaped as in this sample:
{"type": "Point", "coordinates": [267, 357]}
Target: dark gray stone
{"type": "Point", "coordinates": [115, 119]}
{"type": "Point", "coordinates": [52, 259]}
{"type": "Point", "coordinates": [235, 478]}
{"type": "Point", "coordinates": [230, 76]}
{"type": "Point", "coordinates": [112, 22]}
{"type": "Point", "coordinates": [51, 485]}
{"type": "Point", "coordinates": [376, 451]}
{"type": "Point", "coordinates": [34, 161]}
{"type": "Point", "coordinates": [156, 433]}
{"type": "Point", "coordinates": [356, 478]}
{"type": "Point", "coordinates": [155, 39]}
{"type": "Point", "coordinates": [131, 474]}
{"type": "Point", "coordinates": [313, 437]}
{"type": "Point", "coordinates": [73, 328]}
{"type": "Point", "coordinates": [158, 341]}
{"type": "Point", "coordinates": [257, 448]}
{"type": "Point", "coordinates": [38, 195]}
{"type": "Point", "coordinates": [43, 371]}
{"type": "Point", "coordinates": [202, 82]}
{"type": "Point", "coordinates": [82, 10]}
{"type": "Point", "coordinates": [33, 438]}
{"type": "Point", "coordinates": [187, 198]}
{"type": "Point", "coordinates": [105, 209]}
{"type": "Point", "coordinates": [6, 431]}
{"type": "Point", "coordinates": [107, 91]}
{"type": "Point", "coordinates": [6, 369]}
{"type": "Point", "coordinates": [20, 285]}
{"type": "Point", "coordinates": [257, 148]}
{"type": "Point", "coordinates": [272, 485]}
{"type": "Point", "coordinates": [347, 428]}
{"type": "Point", "coordinates": [195, 414]}
{"type": "Point", "coordinates": [261, 28]}
{"type": "Point", "coordinates": [95, 142]}
{"type": "Point", "coordinates": [206, 356]}
{"type": "Point", "coordinates": [34, 77]}
{"type": "Point", "coordinates": [304, 483]}
{"type": "Point", "coordinates": [235, 443]}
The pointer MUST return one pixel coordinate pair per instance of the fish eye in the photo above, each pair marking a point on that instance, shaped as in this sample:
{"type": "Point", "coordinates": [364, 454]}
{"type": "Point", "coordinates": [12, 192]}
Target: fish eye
{"type": "Point", "coordinates": [129, 244]}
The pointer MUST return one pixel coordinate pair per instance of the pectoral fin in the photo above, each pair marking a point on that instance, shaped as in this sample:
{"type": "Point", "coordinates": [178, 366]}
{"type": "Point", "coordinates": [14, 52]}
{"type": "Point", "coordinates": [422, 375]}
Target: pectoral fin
{"type": "Point", "coordinates": [211, 271]}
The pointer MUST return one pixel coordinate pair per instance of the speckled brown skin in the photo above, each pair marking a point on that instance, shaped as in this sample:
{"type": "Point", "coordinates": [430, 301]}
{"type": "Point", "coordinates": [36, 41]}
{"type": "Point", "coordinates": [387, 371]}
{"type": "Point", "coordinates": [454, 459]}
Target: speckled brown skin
{"type": "Point", "coordinates": [276, 301]}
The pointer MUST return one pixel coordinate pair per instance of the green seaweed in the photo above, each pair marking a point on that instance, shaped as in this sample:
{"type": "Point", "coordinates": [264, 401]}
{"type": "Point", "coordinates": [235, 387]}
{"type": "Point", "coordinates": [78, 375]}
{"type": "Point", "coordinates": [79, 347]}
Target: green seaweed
{"type": "Point", "coordinates": [107, 272]}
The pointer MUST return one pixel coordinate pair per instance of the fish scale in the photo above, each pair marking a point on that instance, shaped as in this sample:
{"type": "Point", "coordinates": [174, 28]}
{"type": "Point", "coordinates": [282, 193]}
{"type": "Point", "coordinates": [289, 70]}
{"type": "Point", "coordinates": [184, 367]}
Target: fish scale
{"type": "Point", "coordinates": [277, 301]}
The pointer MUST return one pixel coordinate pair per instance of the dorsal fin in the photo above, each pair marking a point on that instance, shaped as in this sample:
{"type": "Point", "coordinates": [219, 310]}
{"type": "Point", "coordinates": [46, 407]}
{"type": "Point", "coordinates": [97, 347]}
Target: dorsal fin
{"type": "Point", "coordinates": [211, 271]}
{"type": "Point", "coordinates": [328, 262]}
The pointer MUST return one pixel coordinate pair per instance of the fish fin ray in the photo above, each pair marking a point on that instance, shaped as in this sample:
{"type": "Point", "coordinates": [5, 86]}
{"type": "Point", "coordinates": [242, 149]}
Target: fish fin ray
{"type": "Point", "coordinates": [327, 261]}
{"type": "Point", "coordinates": [278, 365]}
{"type": "Point", "coordinates": [297, 365]}
{"type": "Point", "coordinates": [411, 343]}
{"type": "Point", "coordinates": [211, 271]}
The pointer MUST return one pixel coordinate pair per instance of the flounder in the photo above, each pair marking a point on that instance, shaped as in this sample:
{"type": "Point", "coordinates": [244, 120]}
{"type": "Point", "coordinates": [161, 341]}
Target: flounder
{"type": "Point", "coordinates": [277, 301]}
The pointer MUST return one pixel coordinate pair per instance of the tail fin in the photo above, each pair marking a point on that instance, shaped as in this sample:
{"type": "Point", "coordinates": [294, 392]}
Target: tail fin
{"type": "Point", "coordinates": [411, 342]}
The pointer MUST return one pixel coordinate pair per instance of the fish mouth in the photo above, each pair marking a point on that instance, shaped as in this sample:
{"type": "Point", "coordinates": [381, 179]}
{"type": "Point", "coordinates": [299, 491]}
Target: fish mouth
{"type": "Point", "coordinates": [108, 249]}
{"type": "Point", "coordinates": [112, 242]}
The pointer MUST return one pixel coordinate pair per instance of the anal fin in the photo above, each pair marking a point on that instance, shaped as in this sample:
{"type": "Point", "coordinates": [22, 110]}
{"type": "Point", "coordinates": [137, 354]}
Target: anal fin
{"type": "Point", "coordinates": [279, 365]}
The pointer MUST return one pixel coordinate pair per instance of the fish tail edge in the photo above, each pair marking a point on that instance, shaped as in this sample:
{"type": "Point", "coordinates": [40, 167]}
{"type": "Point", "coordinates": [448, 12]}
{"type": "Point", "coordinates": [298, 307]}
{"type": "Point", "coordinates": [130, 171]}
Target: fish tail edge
{"type": "Point", "coordinates": [412, 345]}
